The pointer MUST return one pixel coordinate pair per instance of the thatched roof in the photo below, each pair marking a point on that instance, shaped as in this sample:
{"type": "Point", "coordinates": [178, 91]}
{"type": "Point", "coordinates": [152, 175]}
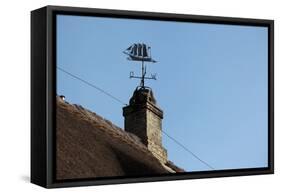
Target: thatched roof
{"type": "Point", "coordinates": [90, 146]}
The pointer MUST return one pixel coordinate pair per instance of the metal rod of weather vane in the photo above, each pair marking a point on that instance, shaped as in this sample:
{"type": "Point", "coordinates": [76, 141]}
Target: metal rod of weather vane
{"type": "Point", "coordinates": [142, 73]}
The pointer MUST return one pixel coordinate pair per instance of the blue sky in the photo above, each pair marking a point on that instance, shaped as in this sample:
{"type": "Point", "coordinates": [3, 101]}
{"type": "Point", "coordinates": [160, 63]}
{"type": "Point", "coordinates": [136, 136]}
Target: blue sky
{"type": "Point", "coordinates": [212, 83]}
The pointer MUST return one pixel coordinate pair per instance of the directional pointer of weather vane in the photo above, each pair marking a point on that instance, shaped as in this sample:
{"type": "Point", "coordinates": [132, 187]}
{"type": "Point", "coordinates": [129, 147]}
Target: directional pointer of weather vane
{"type": "Point", "coordinates": [140, 52]}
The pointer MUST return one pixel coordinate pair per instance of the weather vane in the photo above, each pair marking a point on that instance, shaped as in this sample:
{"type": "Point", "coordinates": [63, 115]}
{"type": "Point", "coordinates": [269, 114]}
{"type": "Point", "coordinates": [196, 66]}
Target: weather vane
{"type": "Point", "coordinates": [140, 52]}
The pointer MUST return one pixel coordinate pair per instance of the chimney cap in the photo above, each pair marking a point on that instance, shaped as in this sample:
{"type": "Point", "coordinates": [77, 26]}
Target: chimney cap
{"type": "Point", "coordinates": [142, 95]}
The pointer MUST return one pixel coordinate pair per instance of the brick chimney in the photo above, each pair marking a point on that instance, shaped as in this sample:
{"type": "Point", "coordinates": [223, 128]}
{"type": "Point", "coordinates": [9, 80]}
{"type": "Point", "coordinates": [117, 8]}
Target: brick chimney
{"type": "Point", "coordinates": [144, 118]}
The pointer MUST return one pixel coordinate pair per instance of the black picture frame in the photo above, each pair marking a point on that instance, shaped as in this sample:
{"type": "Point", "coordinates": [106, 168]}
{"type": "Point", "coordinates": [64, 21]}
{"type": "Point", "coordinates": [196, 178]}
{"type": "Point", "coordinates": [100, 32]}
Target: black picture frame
{"type": "Point", "coordinates": [43, 94]}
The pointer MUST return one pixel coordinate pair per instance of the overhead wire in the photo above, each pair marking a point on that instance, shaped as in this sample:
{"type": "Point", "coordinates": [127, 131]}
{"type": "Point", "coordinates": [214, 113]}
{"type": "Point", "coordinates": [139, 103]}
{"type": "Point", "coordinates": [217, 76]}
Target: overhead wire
{"type": "Point", "coordinates": [92, 85]}
{"type": "Point", "coordinates": [120, 101]}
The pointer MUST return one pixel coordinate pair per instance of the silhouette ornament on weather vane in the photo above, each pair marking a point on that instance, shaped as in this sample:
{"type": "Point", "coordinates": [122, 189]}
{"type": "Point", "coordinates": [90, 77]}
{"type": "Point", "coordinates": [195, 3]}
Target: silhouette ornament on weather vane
{"type": "Point", "coordinates": [140, 52]}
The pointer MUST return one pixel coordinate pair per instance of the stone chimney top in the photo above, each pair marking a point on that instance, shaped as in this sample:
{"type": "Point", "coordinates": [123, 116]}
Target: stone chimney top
{"type": "Point", "coordinates": [144, 119]}
{"type": "Point", "coordinates": [142, 95]}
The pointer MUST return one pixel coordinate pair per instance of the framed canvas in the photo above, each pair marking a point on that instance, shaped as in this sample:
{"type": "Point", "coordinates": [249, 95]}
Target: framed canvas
{"type": "Point", "coordinates": [126, 96]}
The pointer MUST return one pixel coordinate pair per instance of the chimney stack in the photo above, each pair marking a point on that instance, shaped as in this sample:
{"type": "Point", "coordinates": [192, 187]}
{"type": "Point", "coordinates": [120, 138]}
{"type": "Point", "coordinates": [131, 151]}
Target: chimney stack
{"type": "Point", "coordinates": [144, 119]}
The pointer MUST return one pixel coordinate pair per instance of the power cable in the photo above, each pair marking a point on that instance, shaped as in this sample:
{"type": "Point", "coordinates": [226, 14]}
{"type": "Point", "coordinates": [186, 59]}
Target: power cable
{"type": "Point", "coordinates": [92, 85]}
{"type": "Point", "coordinates": [120, 101]}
